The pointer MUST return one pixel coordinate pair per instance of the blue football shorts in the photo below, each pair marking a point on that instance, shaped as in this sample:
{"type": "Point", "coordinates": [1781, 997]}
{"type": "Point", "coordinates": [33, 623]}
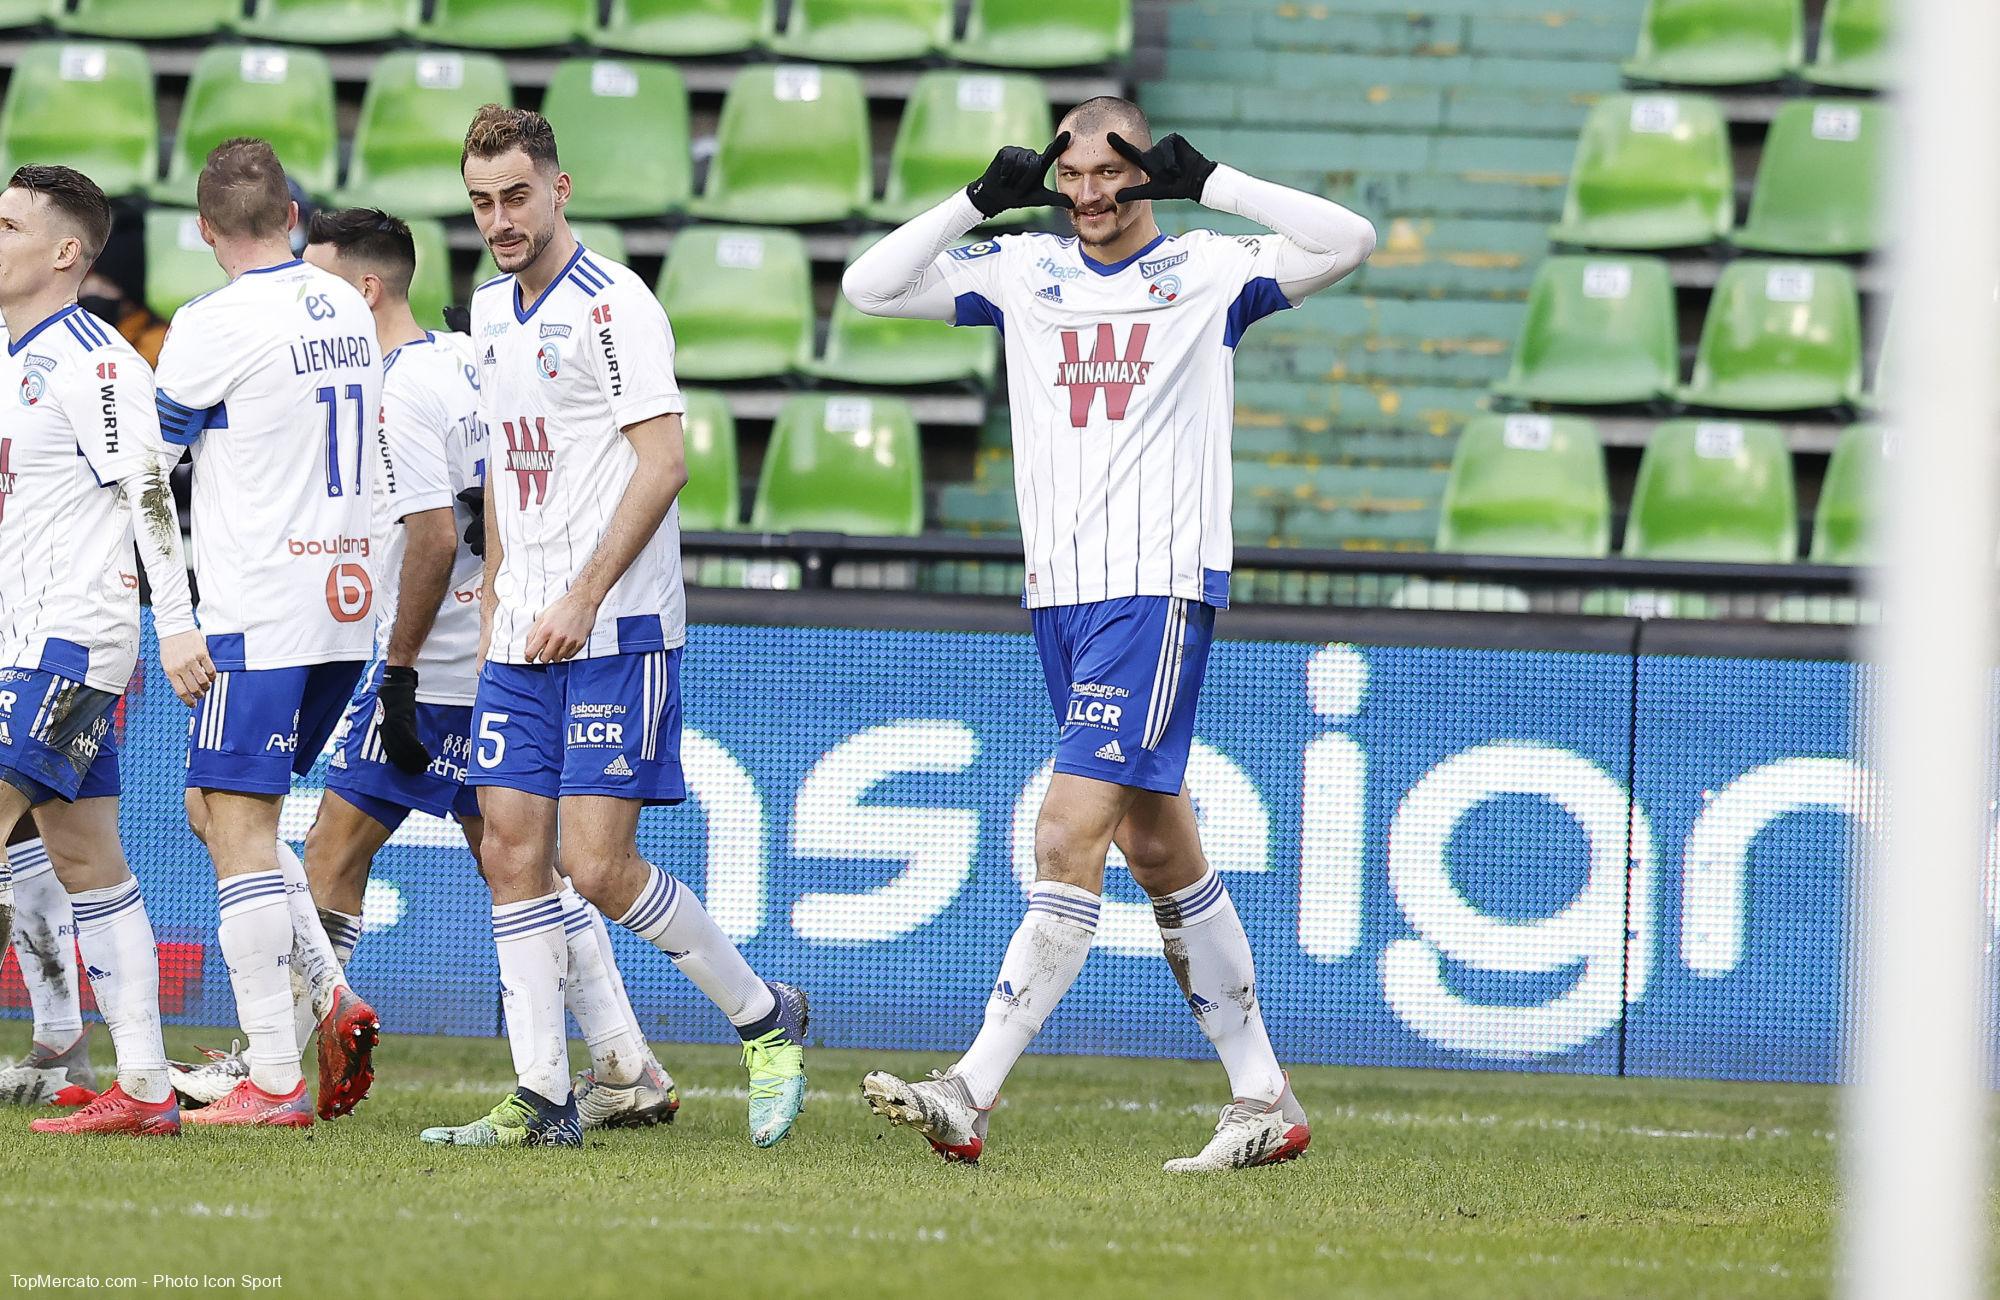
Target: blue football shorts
{"type": "Point", "coordinates": [54, 731]}
{"type": "Point", "coordinates": [604, 726]}
{"type": "Point", "coordinates": [362, 774]}
{"type": "Point", "coordinates": [258, 726]}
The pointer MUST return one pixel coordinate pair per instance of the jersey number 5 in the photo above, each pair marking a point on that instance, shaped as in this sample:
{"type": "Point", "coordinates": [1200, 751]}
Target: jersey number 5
{"type": "Point", "coordinates": [327, 399]}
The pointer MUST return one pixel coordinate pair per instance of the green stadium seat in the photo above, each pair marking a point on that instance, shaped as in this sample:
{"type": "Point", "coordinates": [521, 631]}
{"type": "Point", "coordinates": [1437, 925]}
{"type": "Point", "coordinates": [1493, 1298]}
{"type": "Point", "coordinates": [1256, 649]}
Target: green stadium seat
{"type": "Point", "coordinates": [1854, 46]}
{"type": "Point", "coordinates": [179, 266]}
{"type": "Point", "coordinates": [1716, 493]}
{"type": "Point", "coordinates": [412, 127]}
{"type": "Point", "coordinates": [1719, 42]}
{"type": "Point", "coordinates": [23, 13]}
{"type": "Point", "coordinates": [792, 147]}
{"type": "Point", "coordinates": [1780, 336]}
{"type": "Point", "coordinates": [1843, 531]}
{"type": "Point", "coordinates": [1527, 485]}
{"type": "Point", "coordinates": [685, 28]}
{"type": "Point", "coordinates": [430, 287]}
{"type": "Point", "coordinates": [953, 124]}
{"type": "Point", "coordinates": [283, 95]}
{"type": "Point", "coordinates": [323, 22]}
{"type": "Point", "coordinates": [740, 302]}
{"type": "Point", "coordinates": [843, 464]}
{"type": "Point", "coordinates": [145, 20]}
{"type": "Point", "coordinates": [890, 351]}
{"type": "Point", "coordinates": [598, 107]}
{"type": "Point", "coordinates": [1036, 34]}
{"type": "Point", "coordinates": [597, 236]}
{"type": "Point", "coordinates": [1599, 332]}
{"type": "Point", "coordinates": [1651, 171]}
{"type": "Point", "coordinates": [1819, 185]}
{"type": "Point", "coordinates": [89, 106]}
{"type": "Point", "coordinates": [1888, 361]}
{"type": "Point", "coordinates": [864, 31]}
{"type": "Point", "coordinates": [501, 24]}
{"type": "Point", "coordinates": [712, 500]}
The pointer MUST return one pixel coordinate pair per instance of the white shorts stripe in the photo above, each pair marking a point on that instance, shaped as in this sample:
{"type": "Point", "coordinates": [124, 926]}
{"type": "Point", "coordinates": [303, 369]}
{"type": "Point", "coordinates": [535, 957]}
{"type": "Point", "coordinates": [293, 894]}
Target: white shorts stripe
{"type": "Point", "coordinates": [212, 715]}
{"type": "Point", "coordinates": [39, 729]}
{"type": "Point", "coordinates": [1166, 675]}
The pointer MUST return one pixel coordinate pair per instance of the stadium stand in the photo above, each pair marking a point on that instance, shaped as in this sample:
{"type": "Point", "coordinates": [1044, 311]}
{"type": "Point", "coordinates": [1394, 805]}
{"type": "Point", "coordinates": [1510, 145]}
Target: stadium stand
{"type": "Point", "coordinates": [685, 28]}
{"type": "Point", "coordinates": [412, 126]}
{"type": "Point", "coordinates": [864, 31]}
{"type": "Point", "coordinates": [1599, 332]}
{"type": "Point", "coordinates": [1780, 336]}
{"type": "Point", "coordinates": [792, 148]}
{"type": "Point", "coordinates": [1033, 34]}
{"type": "Point", "coordinates": [500, 24]}
{"type": "Point", "coordinates": [951, 127]}
{"type": "Point", "coordinates": [1652, 171]}
{"type": "Point", "coordinates": [322, 22]}
{"type": "Point", "coordinates": [1718, 42]}
{"type": "Point", "coordinates": [143, 20]}
{"type": "Point", "coordinates": [179, 266]}
{"type": "Point", "coordinates": [1841, 525]}
{"type": "Point", "coordinates": [1853, 49]}
{"type": "Point", "coordinates": [712, 500]}
{"type": "Point", "coordinates": [1818, 187]}
{"type": "Point", "coordinates": [596, 105]}
{"type": "Point", "coordinates": [740, 301]}
{"type": "Point", "coordinates": [893, 352]}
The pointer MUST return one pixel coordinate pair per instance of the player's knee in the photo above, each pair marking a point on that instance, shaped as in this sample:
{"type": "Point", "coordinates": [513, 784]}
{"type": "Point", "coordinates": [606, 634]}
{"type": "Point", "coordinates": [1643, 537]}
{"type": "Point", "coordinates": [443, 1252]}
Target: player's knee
{"type": "Point", "coordinates": [197, 813]}
{"type": "Point", "coordinates": [592, 867]}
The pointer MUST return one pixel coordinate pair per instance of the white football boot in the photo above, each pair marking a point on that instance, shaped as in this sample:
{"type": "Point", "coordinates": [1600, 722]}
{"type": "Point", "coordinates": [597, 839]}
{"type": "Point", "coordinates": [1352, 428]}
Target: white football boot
{"type": "Point", "coordinates": [55, 1076]}
{"type": "Point", "coordinates": [213, 1079]}
{"type": "Point", "coordinates": [939, 1107]}
{"type": "Point", "coordinates": [1250, 1134]}
{"type": "Point", "coordinates": [649, 1099]}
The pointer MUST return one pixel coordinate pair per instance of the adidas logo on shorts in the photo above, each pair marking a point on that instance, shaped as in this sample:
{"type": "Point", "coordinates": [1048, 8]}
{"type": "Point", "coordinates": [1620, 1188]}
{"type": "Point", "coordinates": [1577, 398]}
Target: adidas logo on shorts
{"type": "Point", "coordinates": [618, 767]}
{"type": "Point", "coordinates": [1111, 753]}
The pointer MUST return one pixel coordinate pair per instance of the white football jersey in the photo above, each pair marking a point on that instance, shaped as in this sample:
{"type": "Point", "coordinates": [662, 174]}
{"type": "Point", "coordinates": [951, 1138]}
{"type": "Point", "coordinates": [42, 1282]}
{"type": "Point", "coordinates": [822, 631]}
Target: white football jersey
{"type": "Point", "coordinates": [275, 382]}
{"type": "Point", "coordinates": [81, 419]}
{"type": "Point", "coordinates": [429, 449]}
{"type": "Point", "coordinates": [1122, 387]}
{"type": "Point", "coordinates": [559, 379]}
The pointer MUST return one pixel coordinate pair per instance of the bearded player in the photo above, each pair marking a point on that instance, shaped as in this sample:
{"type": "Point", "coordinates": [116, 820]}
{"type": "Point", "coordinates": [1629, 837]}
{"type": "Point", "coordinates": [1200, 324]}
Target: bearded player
{"type": "Point", "coordinates": [1120, 346]}
{"type": "Point", "coordinates": [576, 725]}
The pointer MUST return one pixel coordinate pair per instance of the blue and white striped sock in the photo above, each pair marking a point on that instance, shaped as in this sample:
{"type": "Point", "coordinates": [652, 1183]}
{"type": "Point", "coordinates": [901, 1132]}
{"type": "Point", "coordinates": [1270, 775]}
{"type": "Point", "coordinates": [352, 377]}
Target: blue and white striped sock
{"type": "Point", "coordinates": [669, 916]}
{"type": "Point", "coordinates": [124, 964]}
{"type": "Point", "coordinates": [534, 967]}
{"type": "Point", "coordinates": [256, 939]}
{"type": "Point", "coordinates": [45, 934]}
{"type": "Point", "coordinates": [1043, 960]}
{"type": "Point", "coordinates": [1210, 956]}
{"type": "Point", "coordinates": [343, 931]}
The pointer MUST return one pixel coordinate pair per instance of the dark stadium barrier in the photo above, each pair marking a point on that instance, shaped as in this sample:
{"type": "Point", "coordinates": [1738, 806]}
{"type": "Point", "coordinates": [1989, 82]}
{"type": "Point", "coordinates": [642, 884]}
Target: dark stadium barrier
{"type": "Point", "coordinates": [1595, 845]}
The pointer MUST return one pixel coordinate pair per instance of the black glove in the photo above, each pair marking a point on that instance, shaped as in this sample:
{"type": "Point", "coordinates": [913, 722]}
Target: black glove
{"type": "Point", "coordinates": [458, 319]}
{"type": "Point", "coordinates": [1017, 178]}
{"type": "Point", "coordinates": [398, 730]}
{"type": "Point", "coordinates": [474, 499]}
{"type": "Point", "coordinates": [1173, 167]}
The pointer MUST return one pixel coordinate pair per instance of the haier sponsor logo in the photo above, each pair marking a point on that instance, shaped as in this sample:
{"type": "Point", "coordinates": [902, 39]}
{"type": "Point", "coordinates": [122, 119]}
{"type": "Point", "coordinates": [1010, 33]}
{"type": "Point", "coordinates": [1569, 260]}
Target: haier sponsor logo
{"type": "Point", "coordinates": [1057, 271]}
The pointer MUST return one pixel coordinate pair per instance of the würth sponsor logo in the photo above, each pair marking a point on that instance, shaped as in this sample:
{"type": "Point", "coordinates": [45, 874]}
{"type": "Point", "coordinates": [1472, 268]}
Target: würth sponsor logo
{"type": "Point", "coordinates": [613, 379]}
{"type": "Point", "coordinates": [107, 401]}
{"type": "Point", "coordinates": [529, 459]}
{"type": "Point", "coordinates": [6, 473]}
{"type": "Point", "coordinates": [1105, 370]}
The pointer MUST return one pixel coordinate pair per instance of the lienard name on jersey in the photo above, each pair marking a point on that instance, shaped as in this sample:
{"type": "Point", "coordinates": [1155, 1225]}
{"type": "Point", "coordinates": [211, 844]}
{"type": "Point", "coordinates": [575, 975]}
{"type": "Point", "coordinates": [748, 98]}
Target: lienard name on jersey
{"type": "Point", "coordinates": [341, 352]}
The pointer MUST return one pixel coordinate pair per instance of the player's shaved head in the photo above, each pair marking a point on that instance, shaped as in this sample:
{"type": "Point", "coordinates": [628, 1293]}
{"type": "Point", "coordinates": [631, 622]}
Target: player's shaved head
{"type": "Point", "coordinates": [79, 206]}
{"type": "Point", "coordinates": [366, 240]}
{"type": "Point", "coordinates": [497, 130]}
{"type": "Point", "coordinates": [242, 193]}
{"type": "Point", "coordinates": [1107, 113]}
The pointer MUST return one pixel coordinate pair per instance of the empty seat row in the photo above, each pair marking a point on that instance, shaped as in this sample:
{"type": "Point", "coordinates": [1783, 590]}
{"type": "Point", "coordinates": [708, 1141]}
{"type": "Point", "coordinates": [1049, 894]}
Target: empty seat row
{"type": "Point", "coordinates": [1745, 42]}
{"type": "Point", "coordinates": [1002, 33]}
{"type": "Point", "coordinates": [1779, 336]}
{"type": "Point", "coordinates": [793, 143]}
{"type": "Point", "coordinates": [1706, 491]}
{"type": "Point", "coordinates": [740, 301]}
{"type": "Point", "coordinates": [836, 463]}
{"type": "Point", "coordinates": [1654, 172]}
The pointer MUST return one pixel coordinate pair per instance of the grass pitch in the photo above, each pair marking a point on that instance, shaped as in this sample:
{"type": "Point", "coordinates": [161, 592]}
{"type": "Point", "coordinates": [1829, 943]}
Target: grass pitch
{"type": "Point", "coordinates": [1418, 1184]}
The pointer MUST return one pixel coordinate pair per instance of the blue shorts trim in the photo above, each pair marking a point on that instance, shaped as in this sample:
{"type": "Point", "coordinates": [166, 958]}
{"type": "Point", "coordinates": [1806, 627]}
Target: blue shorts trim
{"type": "Point", "coordinates": [363, 775]}
{"type": "Point", "coordinates": [257, 727]}
{"type": "Point", "coordinates": [1125, 678]}
{"type": "Point", "coordinates": [53, 730]}
{"type": "Point", "coordinates": [606, 726]}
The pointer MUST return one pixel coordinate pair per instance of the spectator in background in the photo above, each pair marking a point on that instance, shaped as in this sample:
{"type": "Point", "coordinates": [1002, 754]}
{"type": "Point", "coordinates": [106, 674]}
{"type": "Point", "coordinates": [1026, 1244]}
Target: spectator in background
{"type": "Point", "coordinates": [115, 292]}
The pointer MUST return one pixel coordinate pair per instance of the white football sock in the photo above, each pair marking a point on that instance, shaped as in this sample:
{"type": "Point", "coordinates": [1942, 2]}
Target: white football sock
{"type": "Point", "coordinates": [45, 942]}
{"type": "Point", "coordinates": [256, 938]}
{"type": "Point", "coordinates": [1042, 961]}
{"type": "Point", "coordinates": [534, 966]}
{"type": "Point", "coordinates": [1210, 957]}
{"type": "Point", "coordinates": [344, 933]}
{"type": "Point", "coordinates": [596, 995]}
{"type": "Point", "coordinates": [124, 965]}
{"type": "Point", "coordinates": [313, 958]}
{"type": "Point", "coordinates": [669, 916]}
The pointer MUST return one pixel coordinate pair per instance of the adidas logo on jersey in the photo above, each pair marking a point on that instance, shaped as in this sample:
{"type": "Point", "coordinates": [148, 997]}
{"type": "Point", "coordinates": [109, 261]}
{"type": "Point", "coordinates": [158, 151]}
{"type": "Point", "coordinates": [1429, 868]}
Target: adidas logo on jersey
{"type": "Point", "coordinates": [618, 767]}
{"type": "Point", "coordinates": [1052, 292]}
{"type": "Point", "coordinates": [1111, 753]}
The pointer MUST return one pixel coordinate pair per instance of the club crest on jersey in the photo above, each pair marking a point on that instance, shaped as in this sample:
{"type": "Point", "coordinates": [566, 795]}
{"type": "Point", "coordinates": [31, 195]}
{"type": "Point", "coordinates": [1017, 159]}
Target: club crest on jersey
{"type": "Point", "coordinates": [547, 361]}
{"type": "Point", "coordinates": [33, 385]}
{"type": "Point", "coordinates": [1151, 269]}
{"type": "Point", "coordinates": [1165, 289]}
